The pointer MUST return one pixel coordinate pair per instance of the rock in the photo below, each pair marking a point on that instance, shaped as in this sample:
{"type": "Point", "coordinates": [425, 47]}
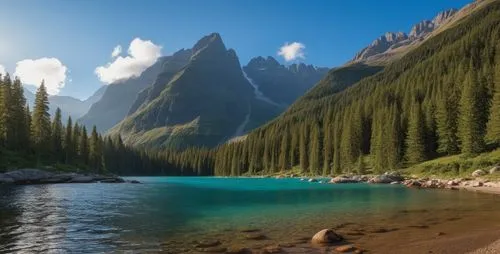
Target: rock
{"type": "Point", "coordinates": [326, 236]}
{"type": "Point", "coordinates": [494, 170]}
{"type": "Point", "coordinates": [6, 179]}
{"type": "Point", "coordinates": [22, 176]}
{"type": "Point", "coordinates": [452, 183]}
{"type": "Point", "coordinates": [477, 184]}
{"type": "Point", "coordinates": [395, 182]}
{"type": "Point", "coordinates": [345, 248]}
{"type": "Point", "coordinates": [82, 179]}
{"type": "Point", "coordinates": [272, 249]}
{"type": "Point", "coordinates": [478, 173]}
{"type": "Point", "coordinates": [343, 179]}
{"type": "Point", "coordinates": [302, 179]}
{"type": "Point", "coordinates": [413, 184]}
{"type": "Point", "coordinates": [255, 236]}
{"type": "Point", "coordinates": [134, 181]}
{"type": "Point", "coordinates": [206, 244]}
{"type": "Point", "coordinates": [440, 233]}
{"type": "Point", "coordinates": [312, 180]}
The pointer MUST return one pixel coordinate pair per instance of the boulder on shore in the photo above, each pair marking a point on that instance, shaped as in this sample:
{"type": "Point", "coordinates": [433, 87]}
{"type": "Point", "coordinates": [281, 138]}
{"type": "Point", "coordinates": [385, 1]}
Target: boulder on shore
{"type": "Point", "coordinates": [478, 173]}
{"type": "Point", "coordinates": [344, 179]}
{"type": "Point", "coordinates": [326, 236]}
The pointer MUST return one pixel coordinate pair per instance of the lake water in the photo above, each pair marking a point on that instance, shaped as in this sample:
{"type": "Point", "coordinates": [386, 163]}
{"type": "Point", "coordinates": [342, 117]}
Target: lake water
{"type": "Point", "coordinates": [169, 213]}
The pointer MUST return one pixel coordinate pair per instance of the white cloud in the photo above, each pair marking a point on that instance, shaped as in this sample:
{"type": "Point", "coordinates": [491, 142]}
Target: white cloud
{"type": "Point", "coordinates": [51, 70]}
{"type": "Point", "coordinates": [141, 55]}
{"type": "Point", "coordinates": [116, 51]}
{"type": "Point", "coordinates": [2, 70]}
{"type": "Point", "coordinates": [292, 51]}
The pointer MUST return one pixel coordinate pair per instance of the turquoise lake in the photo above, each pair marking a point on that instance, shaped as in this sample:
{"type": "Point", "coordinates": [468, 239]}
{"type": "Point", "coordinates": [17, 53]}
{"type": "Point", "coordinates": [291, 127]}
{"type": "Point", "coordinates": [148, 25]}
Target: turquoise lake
{"type": "Point", "coordinates": [169, 212]}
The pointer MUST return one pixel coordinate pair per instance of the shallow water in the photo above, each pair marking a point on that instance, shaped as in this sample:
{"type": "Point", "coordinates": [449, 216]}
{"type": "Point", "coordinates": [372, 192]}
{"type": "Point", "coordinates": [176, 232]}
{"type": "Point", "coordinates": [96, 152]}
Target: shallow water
{"type": "Point", "coordinates": [168, 213]}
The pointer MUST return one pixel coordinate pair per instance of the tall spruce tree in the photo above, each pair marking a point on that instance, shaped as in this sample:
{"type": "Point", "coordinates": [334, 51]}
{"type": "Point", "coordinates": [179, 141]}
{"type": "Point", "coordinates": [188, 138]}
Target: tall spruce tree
{"type": "Point", "coordinates": [314, 150]}
{"type": "Point", "coordinates": [56, 134]}
{"type": "Point", "coordinates": [84, 146]}
{"type": "Point", "coordinates": [68, 142]}
{"type": "Point", "coordinates": [40, 126]}
{"type": "Point", "coordinates": [415, 139]}
{"type": "Point", "coordinates": [493, 130]}
{"type": "Point", "coordinates": [472, 111]}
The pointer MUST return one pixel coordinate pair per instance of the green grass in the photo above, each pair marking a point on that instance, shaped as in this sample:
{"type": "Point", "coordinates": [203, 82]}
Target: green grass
{"type": "Point", "coordinates": [455, 165]}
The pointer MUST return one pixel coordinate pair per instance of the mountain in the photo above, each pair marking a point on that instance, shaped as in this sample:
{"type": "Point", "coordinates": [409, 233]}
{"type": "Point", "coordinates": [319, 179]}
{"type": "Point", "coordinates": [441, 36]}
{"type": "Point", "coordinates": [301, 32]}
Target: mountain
{"type": "Point", "coordinates": [69, 106]}
{"type": "Point", "coordinates": [200, 98]}
{"type": "Point", "coordinates": [118, 98]}
{"type": "Point", "coordinates": [394, 45]}
{"type": "Point", "coordinates": [282, 84]}
{"type": "Point", "coordinates": [439, 98]}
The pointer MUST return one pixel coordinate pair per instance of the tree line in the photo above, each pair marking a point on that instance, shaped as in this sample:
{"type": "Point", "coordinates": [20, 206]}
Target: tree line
{"type": "Point", "coordinates": [32, 138]}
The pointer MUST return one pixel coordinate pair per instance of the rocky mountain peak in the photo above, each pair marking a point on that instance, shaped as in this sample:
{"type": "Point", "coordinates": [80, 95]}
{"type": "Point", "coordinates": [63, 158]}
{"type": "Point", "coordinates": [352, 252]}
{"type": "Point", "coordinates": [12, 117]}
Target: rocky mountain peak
{"type": "Point", "coordinates": [390, 40]}
{"type": "Point", "coordinates": [212, 40]}
{"type": "Point", "coordinates": [421, 29]}
{"type": "Point", "coordinates": [443, 17]}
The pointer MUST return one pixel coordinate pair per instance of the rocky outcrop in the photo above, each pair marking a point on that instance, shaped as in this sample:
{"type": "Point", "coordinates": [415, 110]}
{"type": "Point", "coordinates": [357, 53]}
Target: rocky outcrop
{"type": "Point", "coordinates": [37, 176]}
{"type": "Point", "coordinates": [391, 41]}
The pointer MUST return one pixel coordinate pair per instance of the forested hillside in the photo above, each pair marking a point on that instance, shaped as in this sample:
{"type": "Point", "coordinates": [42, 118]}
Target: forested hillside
{"type": "Point", "coordinates": [34, 139]}
{"type": "Point", "coordinates": [440, 99]}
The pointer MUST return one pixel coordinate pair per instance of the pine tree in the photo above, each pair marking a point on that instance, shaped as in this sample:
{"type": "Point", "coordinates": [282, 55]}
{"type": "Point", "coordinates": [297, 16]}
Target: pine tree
{"type": "Point", "coordinates": [314, 150]}
{"type": "Point", "coordinates": [40, 126]}
{"type": "Point", "coordinates": [19, 136]}
{"type": "Point", "coordinates": [447, 121]}
{"type": "Point", "coordinates": [303, 153]}
{"type": "Point", "coordinates": [472, 111]}
{"type": "Point", "coordinates": [84, 146]}
{"type": "Point", "coordinates": [68, 142]}
{"type": "Point", "coordinates": [415, 140]}
{"type": "Point", "coordinates": [284, 152]}
{"type": "Point", "coordinates": [94, 150]}
{"type": "Point", "coordinates": [493, 127]}
{"type": "Point", "coordinates": [57, 131]}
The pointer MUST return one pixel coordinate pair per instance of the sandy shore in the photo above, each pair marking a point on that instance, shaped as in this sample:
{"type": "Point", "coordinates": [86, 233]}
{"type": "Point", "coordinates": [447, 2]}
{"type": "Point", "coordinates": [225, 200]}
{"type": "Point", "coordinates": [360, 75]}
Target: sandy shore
{"type": "Point", "coordinates": [490, 249]}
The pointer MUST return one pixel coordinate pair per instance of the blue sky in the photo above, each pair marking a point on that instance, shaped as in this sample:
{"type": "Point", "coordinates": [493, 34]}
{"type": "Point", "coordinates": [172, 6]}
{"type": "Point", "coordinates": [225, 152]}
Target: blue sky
{"type": "Point", "coordinates": [81, 34]}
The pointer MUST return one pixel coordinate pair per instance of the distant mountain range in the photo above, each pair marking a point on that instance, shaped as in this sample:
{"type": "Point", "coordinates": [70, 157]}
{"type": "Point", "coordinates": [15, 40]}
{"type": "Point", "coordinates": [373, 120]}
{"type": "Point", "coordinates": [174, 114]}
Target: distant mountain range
{"type": "Point", "coordinates": [69, 106]}
{"type": "Point", "coordinates": [199, 96]}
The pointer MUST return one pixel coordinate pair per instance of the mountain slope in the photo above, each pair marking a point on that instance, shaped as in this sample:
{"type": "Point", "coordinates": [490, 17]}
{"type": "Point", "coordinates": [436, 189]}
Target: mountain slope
{"type": "Point", "coordinates": [433, 101]}
{"type": "Point", "coordinates": [118, 98]}
{"type": "Point", "coordinates": [202, 104]}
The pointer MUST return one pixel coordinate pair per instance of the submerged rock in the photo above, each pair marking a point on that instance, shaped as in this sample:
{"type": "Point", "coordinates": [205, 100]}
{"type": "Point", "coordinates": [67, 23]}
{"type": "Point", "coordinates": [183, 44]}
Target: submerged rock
{"type": "Point", "coordinates": [206, 244]}
{"type": "Point", "coordinates": [312, 180]}
{"type": "Point", "coordinates": [326, 236]}
{"type": "Point", "coordinates": [345, 248]}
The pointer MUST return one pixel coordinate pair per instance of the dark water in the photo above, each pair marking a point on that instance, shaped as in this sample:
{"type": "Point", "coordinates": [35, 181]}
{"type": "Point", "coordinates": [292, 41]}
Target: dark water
{"type": "Point", "coordinates": [90, 218]}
